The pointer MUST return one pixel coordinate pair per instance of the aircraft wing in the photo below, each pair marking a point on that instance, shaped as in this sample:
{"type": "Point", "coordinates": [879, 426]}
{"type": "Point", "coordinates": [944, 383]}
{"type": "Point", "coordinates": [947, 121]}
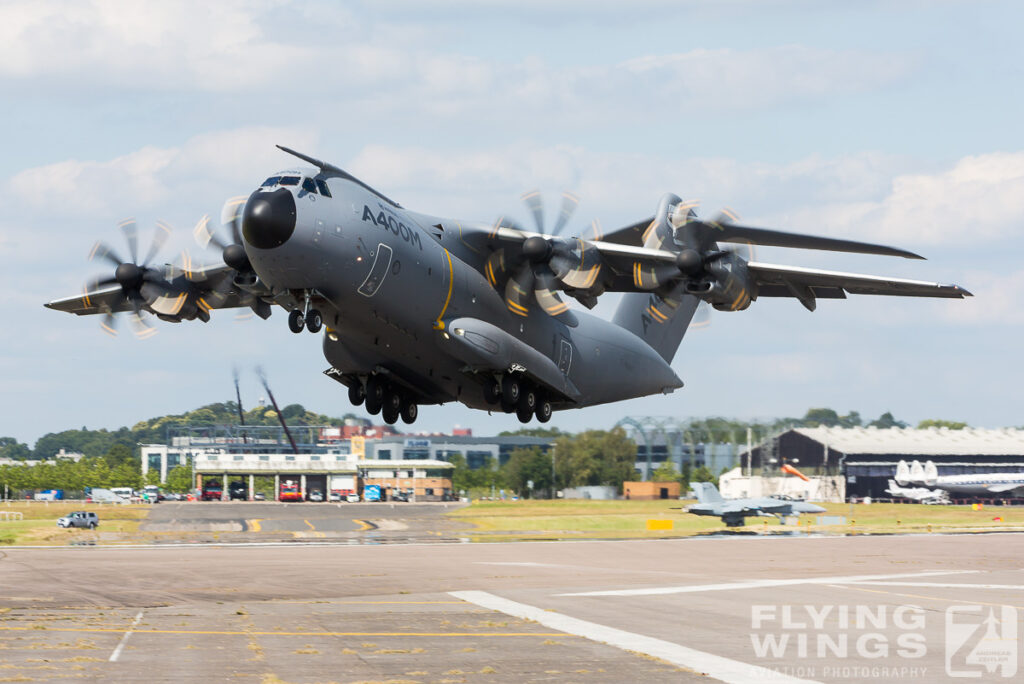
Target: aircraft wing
{"type": "Point", "coordinates": [753, 506]}
{"type": "Point", "coordinates": [793, 281]}
{"type": "Point", "coordinates": [204, 288]}
{"type": "Point", "coordinates": [1003, 488]}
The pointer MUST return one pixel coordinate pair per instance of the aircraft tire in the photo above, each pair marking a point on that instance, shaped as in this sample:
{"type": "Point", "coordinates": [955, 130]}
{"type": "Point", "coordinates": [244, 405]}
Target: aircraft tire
{"type": "Point", "coordinates": [492, 391]}
{"type": "Point", "coordinates": [392, 406]}
{"type": "Point", "coordinates": [510, 391]}
{"type": "Point", "coordinates": [295, 321]}
{"type": "Point", "coordinates": [525, 415]}
{"type": "Point", "coordinates": [357, 394]}
{"type": "Point", "coordinates": [314, 320]}
{"type": "Point", "coordinates": [410, 411]}
{"type": "Point", "coordinates": [544, 410]}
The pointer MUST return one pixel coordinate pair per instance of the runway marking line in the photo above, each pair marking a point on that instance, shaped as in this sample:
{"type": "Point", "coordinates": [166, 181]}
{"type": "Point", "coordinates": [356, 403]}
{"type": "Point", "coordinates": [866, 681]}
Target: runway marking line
{"type": "Point", "coordinates": [254, 524]}
{"type": "Point", "coordinates": [764, 583]}
{"type": "Point", "coordinates": [310, 525]}
{"type": "Point", "coordinates": [124, 640]}
{"type": "Point", "coordinates": [381, 603]}
{"type": "Point", "coordinates": [364, 525]}
{"type": "Point", "coordinates": [916, 596]}
{"type": "Point", "coordinates": [712, 665]}
{"type": "Point", "coordinates": [117, 651]}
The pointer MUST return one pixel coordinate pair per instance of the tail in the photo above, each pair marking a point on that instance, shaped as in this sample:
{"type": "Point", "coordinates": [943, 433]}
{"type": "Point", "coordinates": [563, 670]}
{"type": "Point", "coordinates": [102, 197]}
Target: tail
{"type": "Point", "coordinates": [902, 473]}
{"type": "Point", "coordinates": [706, 492]}
{"type": "Point", "coordinates": [641, 314]}
{"type": "Point", "coordinates": [931, 474]}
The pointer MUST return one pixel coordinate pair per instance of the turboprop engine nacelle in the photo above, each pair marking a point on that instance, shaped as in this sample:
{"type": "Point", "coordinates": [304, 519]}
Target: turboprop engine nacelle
{"type": "Point", "coordinates": [727, 284]}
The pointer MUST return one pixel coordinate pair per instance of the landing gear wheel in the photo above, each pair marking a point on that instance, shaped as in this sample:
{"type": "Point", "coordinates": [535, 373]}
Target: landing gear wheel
{"type": "Point", "coordinates": [392, 406]}
{"type": "Point", "coordinates": [314, 321]}
{"type": "Point", "coordinates": [409, 412]}
{"type": "Point", "coordinates": [357, 394]}
{"type": "Point", "coordinates": [296, 322]}
{"type": "Point", "coordinates": [510, 389]}
{"type": "Point", "coordinates": [492, 391]}
{"type": "Point", "coordinates": [374, 395]}
{"type": "Point", "coordinates": [544, 410]}
{"type": "Point", "coordinates": [527, 405]}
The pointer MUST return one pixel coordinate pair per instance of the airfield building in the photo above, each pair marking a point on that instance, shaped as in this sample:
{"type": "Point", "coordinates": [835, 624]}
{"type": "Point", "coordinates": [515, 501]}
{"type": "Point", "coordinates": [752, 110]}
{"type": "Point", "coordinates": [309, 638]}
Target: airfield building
{"type": "Point", "coordinates": [866, 458]}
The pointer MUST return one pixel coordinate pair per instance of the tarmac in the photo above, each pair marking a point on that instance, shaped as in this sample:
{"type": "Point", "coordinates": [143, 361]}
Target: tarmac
{"type": "Point", "coordinates": [924, 608]}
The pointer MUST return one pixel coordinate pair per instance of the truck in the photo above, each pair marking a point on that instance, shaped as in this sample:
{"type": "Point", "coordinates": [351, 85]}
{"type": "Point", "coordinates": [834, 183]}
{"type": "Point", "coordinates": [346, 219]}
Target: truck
{"type": "Point", "coordinates": [151, 493]}
{"type": "Point", "coordinates": [290, 491]}
{"type": "Point", "coordinates": [340, 486]}
{"type": "Point", "coordinates": [50, 495]}
{"type": "Point", "coordinates": [212, 491]}
{"type": "Point", "coordinates": [238, 491]}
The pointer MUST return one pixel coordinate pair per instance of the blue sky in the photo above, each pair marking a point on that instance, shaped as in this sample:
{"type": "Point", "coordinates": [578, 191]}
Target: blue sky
{"type": "Point", "coordinates": [896, 122]}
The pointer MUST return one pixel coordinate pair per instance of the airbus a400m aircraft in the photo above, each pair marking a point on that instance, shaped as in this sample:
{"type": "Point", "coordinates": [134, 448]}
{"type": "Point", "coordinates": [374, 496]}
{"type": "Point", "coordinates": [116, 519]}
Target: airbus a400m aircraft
{"type": "Point", "coordinates": [426, 310]}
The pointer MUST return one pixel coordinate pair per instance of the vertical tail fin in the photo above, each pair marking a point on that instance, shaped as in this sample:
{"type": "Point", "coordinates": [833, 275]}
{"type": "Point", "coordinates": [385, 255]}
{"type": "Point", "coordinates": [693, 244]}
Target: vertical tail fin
{"type": "Point", "coordinates": [641, 314]}
{"type": "Point", "coordinates": [706, 492]}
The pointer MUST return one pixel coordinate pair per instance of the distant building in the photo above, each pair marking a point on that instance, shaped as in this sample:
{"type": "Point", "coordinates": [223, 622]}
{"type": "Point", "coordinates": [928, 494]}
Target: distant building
{"type": "Point", "coordinates": [866, 458]}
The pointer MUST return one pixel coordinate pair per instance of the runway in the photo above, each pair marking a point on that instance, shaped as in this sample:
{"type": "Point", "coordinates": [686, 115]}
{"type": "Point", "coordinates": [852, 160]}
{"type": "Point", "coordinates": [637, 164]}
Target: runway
{"type": "Point", "coordinates": [918, 608]}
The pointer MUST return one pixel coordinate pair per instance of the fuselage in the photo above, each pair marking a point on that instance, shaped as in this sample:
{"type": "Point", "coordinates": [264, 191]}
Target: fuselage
{"type": "Point", "coordinates": [390, 281]}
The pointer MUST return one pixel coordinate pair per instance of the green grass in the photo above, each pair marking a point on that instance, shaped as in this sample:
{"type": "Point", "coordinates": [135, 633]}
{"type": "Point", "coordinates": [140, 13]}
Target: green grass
{"type": "Point", "coordinates": [549, 519]}
{"type": "Point", "coordinates": [39, 523]}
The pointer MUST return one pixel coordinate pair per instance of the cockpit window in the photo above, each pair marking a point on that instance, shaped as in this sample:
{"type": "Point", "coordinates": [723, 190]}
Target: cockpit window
{"type": "Point", "coordinates": [324, 190]}
{"type": "Point", "coordinates": [290, 180]}
{"type": "Point", "coordinates": [270, 182]}
{"type": "Point", "coordinates": [308, 185]}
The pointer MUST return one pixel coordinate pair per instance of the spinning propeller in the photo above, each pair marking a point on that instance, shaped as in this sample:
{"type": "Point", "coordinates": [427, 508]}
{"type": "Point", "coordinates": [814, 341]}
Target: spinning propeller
{"type": "Point", "coordinates": [539, 262]}
{"type": "Point", "coordinates": [144, 286]}
{"type": "Point", "coordinates": [232, 252]}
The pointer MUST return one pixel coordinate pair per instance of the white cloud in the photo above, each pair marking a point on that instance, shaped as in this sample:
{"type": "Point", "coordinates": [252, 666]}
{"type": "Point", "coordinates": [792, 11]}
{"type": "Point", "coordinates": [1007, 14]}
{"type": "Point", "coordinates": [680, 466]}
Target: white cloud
{"type": "Point", "coordinates": [204, 168]}
{"type": "Point", "coordinates": [980, 197]}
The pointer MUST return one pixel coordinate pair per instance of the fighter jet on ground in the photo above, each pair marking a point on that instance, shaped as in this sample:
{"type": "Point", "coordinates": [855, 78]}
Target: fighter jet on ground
{"type": "Point", "coordinates": [426, 310]}
{"type": "Point", "coordinates": [733, 511]}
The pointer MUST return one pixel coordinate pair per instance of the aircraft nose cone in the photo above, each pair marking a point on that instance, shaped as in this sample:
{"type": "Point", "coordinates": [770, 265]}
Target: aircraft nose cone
{"type": "Point", "coordinates": [269, 218]}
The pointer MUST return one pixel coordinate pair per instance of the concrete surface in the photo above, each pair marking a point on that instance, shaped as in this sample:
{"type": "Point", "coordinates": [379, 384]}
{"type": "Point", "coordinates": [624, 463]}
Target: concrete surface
{"type": "Point", "coordinates": [560, 611]}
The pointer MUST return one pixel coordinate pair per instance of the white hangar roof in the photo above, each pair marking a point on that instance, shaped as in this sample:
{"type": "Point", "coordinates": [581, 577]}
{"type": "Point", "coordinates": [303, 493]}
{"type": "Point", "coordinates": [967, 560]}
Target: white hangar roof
{"type": "Point", "coordinates": [926, 442]}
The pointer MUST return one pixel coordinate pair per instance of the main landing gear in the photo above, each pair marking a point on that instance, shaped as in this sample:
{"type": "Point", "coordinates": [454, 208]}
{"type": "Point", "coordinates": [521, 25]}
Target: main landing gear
{"type": "Point", "coordinates": [308, 318]}
{"type": "Point", "coordinates": [385, 398]}
{"type": "Point", "coordinates": [514, 393]}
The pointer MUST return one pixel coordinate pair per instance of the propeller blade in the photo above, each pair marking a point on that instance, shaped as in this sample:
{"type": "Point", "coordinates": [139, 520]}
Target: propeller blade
{"type": "Point", "coordinates": [143, 330]}
{"type": "Point", "coordinates": [518, 291]}
{"type": "Point", "coordinates": [204, 235]}
{"type": "Point", "coordinates": [549, 300]}
{"type": "Point", "coordinates": [131, 236]}
{"type": "Point", "coordinates": [231, 215]}
{"type": "Point", "coordinates": [702, 316]}
{"type": "Point", "coordinates": [97, 283]}
{"type": "Point", "coordinates": [160, 235]}
{"type": "Point", "coordinates": [534, 202]}
{"type": "Point", "coordinates": [653, 276]}
{"type": "Point", "coordinates": [101, 251]}
{"type": "Point", "coordinates": [109, 324]}
{"type": "Point", "coordinates": [569, 204]}
{"type": "Point", "coordinates": [496, 267]}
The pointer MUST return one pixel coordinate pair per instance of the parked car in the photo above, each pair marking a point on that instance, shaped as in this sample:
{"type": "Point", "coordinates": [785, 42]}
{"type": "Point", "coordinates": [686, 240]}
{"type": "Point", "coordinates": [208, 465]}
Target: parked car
{"type": "Point", "coordinates": [259, 496]}
{"type": "Point", "coordinates": [352, 498]}
{"type": "Point", "coordinates": [334, 496]}
{"type": "Point", "coordinates": [316, 495]}
{"type": "Point", "coordinates": [87, 519]}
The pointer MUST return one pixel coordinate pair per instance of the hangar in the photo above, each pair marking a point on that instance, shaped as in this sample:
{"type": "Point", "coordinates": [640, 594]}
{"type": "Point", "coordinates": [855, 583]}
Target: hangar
{"type": "Point", "coordinates": [867, 457]}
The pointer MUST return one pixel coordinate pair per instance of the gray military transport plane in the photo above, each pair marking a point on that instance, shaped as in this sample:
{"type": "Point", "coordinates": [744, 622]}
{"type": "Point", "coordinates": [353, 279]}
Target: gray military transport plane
{"type": "Point", "coordinates": [426, 310]}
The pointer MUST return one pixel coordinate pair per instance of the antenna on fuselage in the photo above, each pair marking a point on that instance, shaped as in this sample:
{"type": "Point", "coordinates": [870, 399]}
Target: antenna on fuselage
{"type": "Point", "coordinates": [322, 165]}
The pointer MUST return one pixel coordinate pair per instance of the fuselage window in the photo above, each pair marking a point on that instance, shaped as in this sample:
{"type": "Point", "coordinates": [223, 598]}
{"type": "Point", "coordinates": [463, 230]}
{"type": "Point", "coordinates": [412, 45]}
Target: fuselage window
{"type": "Point", "coordinates": [308, 185]}
{"type": "Point", "coordinates": [324, 190]}
{"type": "Point", "coordinates": [290, 180]}
{"type": "Point", "coordinates": [270, 182]}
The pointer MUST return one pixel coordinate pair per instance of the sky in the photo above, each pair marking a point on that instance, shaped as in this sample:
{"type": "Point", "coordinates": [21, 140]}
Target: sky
{"type": "Point", "coordinates": [896, 122]}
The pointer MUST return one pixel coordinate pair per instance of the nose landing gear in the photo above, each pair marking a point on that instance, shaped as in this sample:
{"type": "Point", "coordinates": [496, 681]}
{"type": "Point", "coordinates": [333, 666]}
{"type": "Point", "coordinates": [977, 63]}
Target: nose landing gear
{"type": "Point", "coordinates": [308, 318]}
